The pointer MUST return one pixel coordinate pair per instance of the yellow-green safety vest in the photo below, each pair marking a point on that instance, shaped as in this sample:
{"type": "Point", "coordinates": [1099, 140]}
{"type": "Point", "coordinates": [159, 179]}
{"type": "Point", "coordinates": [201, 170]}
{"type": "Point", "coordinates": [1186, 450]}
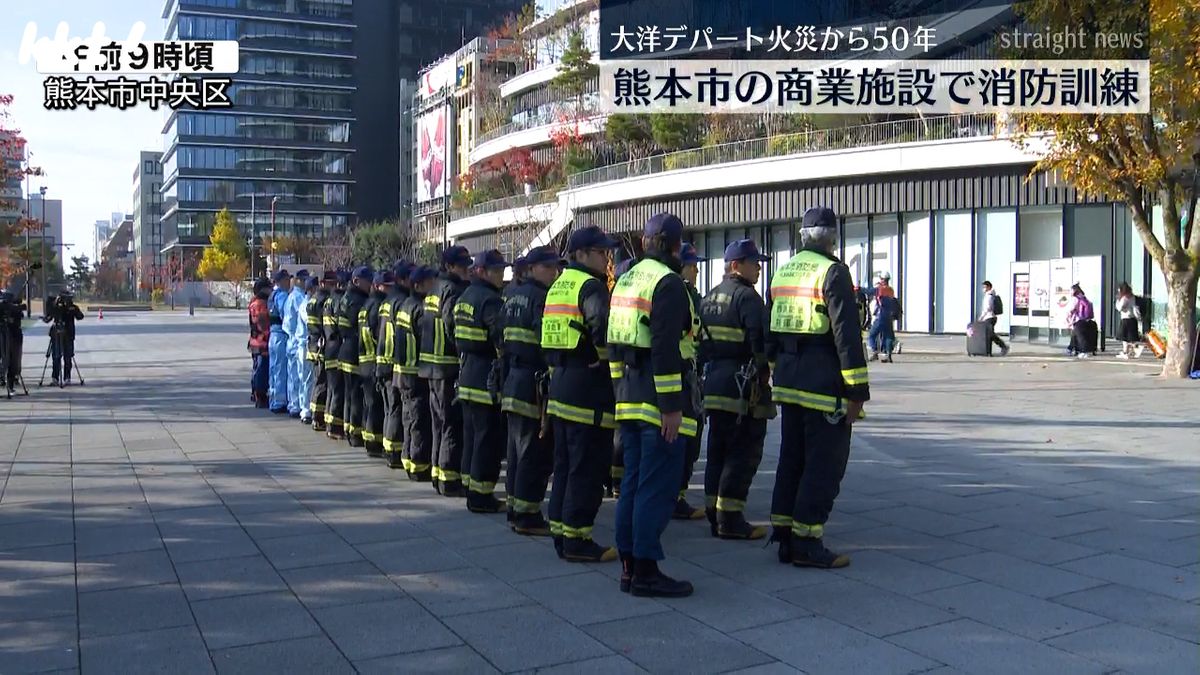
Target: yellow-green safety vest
{"type": "Point", "coordinates": [629, 311]}
{"type": "Point", "coordinates": [797, 295]}
{"type": "Point", "coordinates": [562, 320]}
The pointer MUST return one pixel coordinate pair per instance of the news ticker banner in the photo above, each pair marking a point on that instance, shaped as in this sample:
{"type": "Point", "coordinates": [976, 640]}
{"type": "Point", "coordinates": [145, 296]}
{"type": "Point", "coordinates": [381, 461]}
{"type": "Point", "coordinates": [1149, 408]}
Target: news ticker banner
{"type": "Point", "coordinates": [100, 73]}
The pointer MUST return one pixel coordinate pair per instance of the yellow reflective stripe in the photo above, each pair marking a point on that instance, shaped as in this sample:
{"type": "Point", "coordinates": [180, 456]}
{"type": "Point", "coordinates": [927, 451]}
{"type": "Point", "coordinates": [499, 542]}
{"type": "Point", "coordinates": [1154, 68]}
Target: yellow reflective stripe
{"type": "Point", "coordinates": [727, 504]}
{"type": "Point", "coordinates": [571, 413]}
{"type": "Point", "coordinates": [404, 320]}
{"type": "Point", "coordinates": [667, 384]}
{"type": "Point", "coordinates": [617, 472]}
{"type": "Point", "coordinates": [350, 428]}
{"type": "Point", "coordinates": [727, 334]}
{"type": "Point", "coordinates": [475, 395]}
{"type": "Point", "coordinates": [556, 528]}
{"type": "Point", "coordinates": [368, 435]}
{"type": "Point", "coordinates": [616, 370]}
{"type": "Point", "coordinates": [328, 321]}
{"type": "Point", "coordinates": [317, 407]}
{"type": "Point", "coordinates": [726, 403]}
{"type": "Point", "coordinates": [470, 333]}
{"type": "Point", "coordinates": [439, 336]}
{"type": "Point", "coordinates": [408, 370]}
{"type": "Point", "coordinates": [608, 421]}
{"type": "Point", "coordinates": [807, 399]}
{"type": "Point", "coordinates": [417, 468]}
{"type": "Point", "coordinates": [517, 334]}
{"type": "Point", "coordinates": [602, 352]}
{"type": "Point", "coordinates": [439, 359]}
{"type": "Point", "coordinates": [804, 530]}
{"type": "Point", "coordinates": [343, 322]}
{"type": "Point", "coordinates": [519, 407]}
{"type": "Point", "coordinates": [390, 445]}
{"type": "Point", "coordinates": [855, 376]}
{"type": "Point", "coordinates": [781, 521]}
{"type": "Point", "coordinates": [650, 414]}
{"type": "Point", "coordinates": [576, 532]}
{"type": "Point", "coordinates": [330, 418]}
{"type": "Point", "coordinates": [332, 364]}
{"type": "Point", "coordinates": [482, 487]}
{"type": "Point", "coordinates": [447, 474]}
{"type": "Point", "coordinates": [522, 506]}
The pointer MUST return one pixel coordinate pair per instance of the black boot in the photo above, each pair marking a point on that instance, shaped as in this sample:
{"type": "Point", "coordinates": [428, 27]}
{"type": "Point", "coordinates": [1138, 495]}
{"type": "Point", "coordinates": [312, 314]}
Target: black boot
{"type": "Point", "coordinates": [586, 550]}
{"type": "Point", "coordinates": [394, 461]}
{"type": "Point", "coordinates": [452, 488]}
{"type": "Point", "coordinates": [783, 535]}
{"type": "Point", "coordinates": [477, 503]}
{"type": "Point", "coordinates": [355, 441]}
{"type": "Point", "coordinates": [648, 582]}
{"type": "Point", "coordinates": [626, 571]}
{"type": "Point", "coordinates": [685, 511]}
{"type": "Point", "coordinates": [425, 476]}
{"type": "Point", "coordinates": [531, 525]}
{"type": "Point", "coordinates": [318, 424]}
{"type": "Point", "coordinates": [711, 513]}
{"type": "Point", "coordinates": [733, 525]}
{"type": "Point", "coordinates": [374, 449]}
{"type": "Point", "coordinates": [810, 552]}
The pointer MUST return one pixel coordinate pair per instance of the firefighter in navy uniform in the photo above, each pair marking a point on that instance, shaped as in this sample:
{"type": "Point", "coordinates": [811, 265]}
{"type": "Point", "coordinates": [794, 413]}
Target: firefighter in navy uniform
{"type": "Point", "coordinates": [617, 469]}
{"type": "Point", "coordinates": [439, 365]}
{"type": "Point", "coordinates": [335, 401]}
{"type": "Point", "coordinates": [348, 323]}
{"type": "Point", "coordinates": [520, 268]}
{"type": "Point", "coordinates": [388, 350]}
{"type": "Point", "coordinates": [690, 271]}
{"type": "Point", "coordinates": [368, 349]}
{"type": "Point", "coordinates": [737, 396]}
{"type": "Point", "coordinates": [523, 401]}
{"type": "Point", "coordinates": [820, 380]}
{"type": "Point", "coordinates": [417, 455]}
{"type": "Point", "coordinates": [478, 334]}
{"type": "Point", "coordinates": [650, 334]}
{"type": "Point", "coordinates": [316, 347]}
{"type": "Point", "coordinates": [581, 394]}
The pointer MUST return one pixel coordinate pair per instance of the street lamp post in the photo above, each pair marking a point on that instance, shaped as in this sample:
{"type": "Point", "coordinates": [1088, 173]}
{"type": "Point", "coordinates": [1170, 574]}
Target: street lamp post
{"type": "Point", "coordinates": [273, 201]}
{"type": "Point", "coordinates": [42, 223]}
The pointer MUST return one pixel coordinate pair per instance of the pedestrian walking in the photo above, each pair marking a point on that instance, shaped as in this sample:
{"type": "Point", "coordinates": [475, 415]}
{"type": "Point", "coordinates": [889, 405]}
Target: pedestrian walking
{"type": "Point", "coordinates": [439, 365]}
{"type": "Point", "coordinates": [885, 310]}
{"type": "Point", "coordinates": [649, 333]}
{"type": "Point", "coordinates": [820, 380]}
{"type": "Point", "coordinates": [992, 308]}
{"type": "Point", "coordinates": [1129, 331]}
{"type": "Point", "coordinates": [1080, 321]}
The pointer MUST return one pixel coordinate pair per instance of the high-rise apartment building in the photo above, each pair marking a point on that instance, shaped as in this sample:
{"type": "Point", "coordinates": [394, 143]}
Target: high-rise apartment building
{"type": "Point", "coordinates": [148, 239]}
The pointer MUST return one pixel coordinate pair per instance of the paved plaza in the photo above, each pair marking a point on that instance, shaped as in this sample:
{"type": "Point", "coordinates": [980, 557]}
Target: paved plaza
{"type": "Point", "coordinates": [1018, 515]}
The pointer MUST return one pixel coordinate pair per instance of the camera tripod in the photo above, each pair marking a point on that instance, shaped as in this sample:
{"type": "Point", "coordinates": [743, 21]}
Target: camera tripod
{"type": "Point", "coordinates": [60, 340]}
{"type": "Point", "coordinates": [9, 387]}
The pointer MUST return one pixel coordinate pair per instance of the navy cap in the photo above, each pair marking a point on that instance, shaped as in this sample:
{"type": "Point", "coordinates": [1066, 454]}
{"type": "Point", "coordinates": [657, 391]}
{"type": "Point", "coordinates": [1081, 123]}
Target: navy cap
{"type": "Point", "coordinates": [280, 275]}
{"type": "Point", "coordinates": [302, 274]}
{"type": "Point", "coordinates": [421, 273]}
{"type": "Point", "coordinates": [490, 258]}
{"type": "Point", "coordinates": [688, 255]}
{"type": "Point", "coordinates": [542, 255]}
{"type": "Point", "coordinates": [819, 216]}
{"type": "Point", "coordinates": [456, 255]}
{"type": "Point", "coordinates": [521, 263]}
{"type": "Point", "coordinates": [590, 237]}
{"type": "Point", "coordinates": [311, 283]}
{"type": "Point", "coordinates": [402, 269]}
{"type": "Point", "coordinates": [384, 277]}
{"type": "Point", "coordinates": [364, 272]}
{"type": "Point", "coordinates": [744, 249]}
{"type": "Point", "coordinates": [668, 225]}
{"type": "Point", "coordinates": [343, 276]}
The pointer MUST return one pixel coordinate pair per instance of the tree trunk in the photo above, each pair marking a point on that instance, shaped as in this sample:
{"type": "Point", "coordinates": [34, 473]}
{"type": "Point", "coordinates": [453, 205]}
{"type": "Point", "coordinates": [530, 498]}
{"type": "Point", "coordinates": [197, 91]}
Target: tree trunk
{"type": "Point", "coordinates": [1181, 323]}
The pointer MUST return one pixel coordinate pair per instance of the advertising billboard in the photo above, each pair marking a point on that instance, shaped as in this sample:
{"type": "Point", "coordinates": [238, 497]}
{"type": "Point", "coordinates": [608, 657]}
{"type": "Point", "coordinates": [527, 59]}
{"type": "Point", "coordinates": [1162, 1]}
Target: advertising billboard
{"type": "Point", "coordinates": [431, 155]}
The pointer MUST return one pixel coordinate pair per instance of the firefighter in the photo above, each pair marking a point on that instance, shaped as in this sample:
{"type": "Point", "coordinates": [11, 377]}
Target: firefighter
{"type": "Point", "coordinates": [389, 351]}
{"type": "Point", "coordinates": [316, 347]}
{"type": "Point", "coordinates": [581, 395]}
{"type": "Point", "coordinates": [650, 334]}
{"type": "Point", "coordinates": [478, 334]}
{"type": "Point", "coordinates": [690, 271]}
{"type": "Point", "coordinates": [438, 359]}
{"type": "Point", "coordinates": [530, 441]}
{"type": "Point", "coordinates": [820, 380]}
{"type": "Point", "coordinates": [520, 270]}
{"type": "Point", "coordinates": [304, 367]}
{"type": "Point", "coordinates": [736, 394]}
{"type": "Point", "coordinates": [348, 357]}
{"type": "Point", "coordinates": [335, 399]}
{"type": "Point", "coordinates": [279, 342]}
{"type": "Point", "coordinates": [368, 328]}
{"type": "Point", "coordinates": [417, 455]}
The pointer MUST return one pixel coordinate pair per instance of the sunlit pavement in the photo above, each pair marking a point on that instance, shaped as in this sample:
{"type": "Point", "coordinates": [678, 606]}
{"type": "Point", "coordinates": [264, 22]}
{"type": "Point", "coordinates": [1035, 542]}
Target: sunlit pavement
{"type": "Point", "coordinates": [1025, 514]}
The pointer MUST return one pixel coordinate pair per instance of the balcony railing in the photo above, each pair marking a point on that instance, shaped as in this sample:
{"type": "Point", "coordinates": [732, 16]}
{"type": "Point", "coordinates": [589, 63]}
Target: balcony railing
{"type": "Point", "coordinates": [505, 203]}
{"type": "Point", "coordinates": [971, 125]}
{"type": "Point", "coordinates": [553, 116]}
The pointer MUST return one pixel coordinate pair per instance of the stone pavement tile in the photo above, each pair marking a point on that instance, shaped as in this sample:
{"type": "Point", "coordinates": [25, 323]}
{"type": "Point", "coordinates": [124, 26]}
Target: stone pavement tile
{"type": "Point", "coordinates": [125, 570]}
{"type": "Point", "coordinates": [750, 565]}
{"type": "Point", "coordinates": [867, 608]}
{"type": "Point", "coordinates": [1133, 606]}
{"type": "Point", "coordinates": [975, 648]}
{"type": "Point", "coordinates": [113, 495]}
{"type": "Point", "coordinates": [245, 502]}
{"type": "Point", "coordinates": [39, 646]}
{"type": "Point", "coordinates": [672, 642]}
{"type": "Point", "coordinates": [448, 660]}
{"type": "Point", "coordinates": [471, 531]}
{"type": "Point", "coordinates": [776, 668]}
{"type": "Point", "coordinates": [164, 499]}
{"type": "Point", "coordinates": [182, 521]}
{"type": "Point", "coordinates": [369, 525]}
{"type": "Point", "coordinates": [210, 579]}
{"type": "Point", "coordinates": [308, 551]}
{"type": "Point", "coordinates": [590, 597]}
{"type": "Point", "coordinates": [1116, 522]}
{"type": "Point", "coordinates": [303, 655]}
{"type": "Point", "coordinates": [352, 628]}
{"type": "Point", "coordinates": [1153, 577]}
{"type": "Point", "coordinates": [900, 541]}
{"type": "Point", "coordinates": [927, 521]}
{"type": "Point", "coordinates": [345, 584]}
{"type": "Point", "coordinates": [170, 650]}
{"type": "Point", "coordinates": [1025, 545]}
{"type": "Point", "coordinates": [42, 561]}
{"type": "Point", "coordinates": [503, 638]}
{"type": "Point", "coordinates": [841, 649]}
{"type": "Point", "coordinates": [209, 543]}
{"type": "Point", "coordinates": [285, 523]}
{"type": "Point", "coordinates": [25, 513]}
{"type": "Point", "coordinates": [412, 556]}
{"type": "Point", "coordinates": [89, 451]}
{"type": "Point", "coordinates": [1041, 581]}
{"type": "Point", "coordinates": [21, 489]}
{"type": "Point", "coordinates": [598, 666]}
{"type": "Point", "coordinates": [1176, 553]}
{"type": "Point", "coordinates": [892, 572]}
{"type": "Point", "coordinates": [523, 560]}
{"type": "Point", "coordinates": [1023, 519]}
{"type": "Point", "coordinates": [1132, 649]}
{"type": "Point", "coordinates": [251, 619]}
{"type": "Point", "coordinates": [40, 598]}
{"type": "Point", "coordinates": [129, 610]}
{"type": "Point", "coordinates": [1010, 611]}
{"type": "Point", "coordinates": [465, 591]}
{"type": "Point", "coordinates": [129, 538]}
{"type": "Point", "coordinates": [39, 532]}
{"type": "Point", "coordinates": [714, 597]}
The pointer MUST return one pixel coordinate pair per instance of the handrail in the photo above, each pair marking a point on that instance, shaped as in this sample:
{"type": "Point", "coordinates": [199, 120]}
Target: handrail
{"type": "Point", "coordinates": [551, 117]}
{"type": "Point", "coordinates": [504, 203]}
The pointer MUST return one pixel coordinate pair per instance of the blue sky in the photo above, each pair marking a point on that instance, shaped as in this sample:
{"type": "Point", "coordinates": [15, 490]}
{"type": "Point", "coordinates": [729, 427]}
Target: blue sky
{"type": "Point", "coordinates": [89, 156]}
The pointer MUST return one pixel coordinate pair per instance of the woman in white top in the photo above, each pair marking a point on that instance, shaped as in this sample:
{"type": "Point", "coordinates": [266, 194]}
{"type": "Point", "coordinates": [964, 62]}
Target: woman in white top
{"type": "Point", "coordinates": [1129, 331]}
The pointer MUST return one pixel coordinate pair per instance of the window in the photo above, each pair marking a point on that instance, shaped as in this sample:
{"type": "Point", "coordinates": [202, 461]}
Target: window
{"type": "Point", "coordinates": [996, 249]}
{"type": "Point", "coordinates": [952, 265]}
{"type": "Point", "coordinates": [916, 289]}
{"type": "Point", "coordinates": [148, 166]}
